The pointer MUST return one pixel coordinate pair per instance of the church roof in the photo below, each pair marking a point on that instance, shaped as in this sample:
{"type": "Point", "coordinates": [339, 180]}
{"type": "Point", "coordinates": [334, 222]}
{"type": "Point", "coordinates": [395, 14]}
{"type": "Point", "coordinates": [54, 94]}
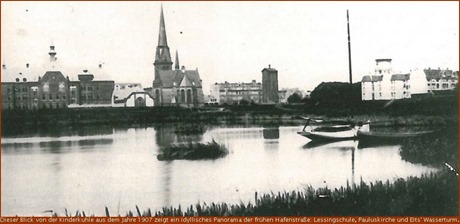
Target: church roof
{"type": "Point", "coordinates": [171, 77]}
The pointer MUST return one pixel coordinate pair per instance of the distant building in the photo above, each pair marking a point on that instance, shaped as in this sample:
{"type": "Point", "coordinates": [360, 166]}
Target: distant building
{"type": "Point", "coordinates": [385, 85]}
{"type": "Point", "coordinates": [432, 81]}
{"type": "Point", "coordinates": [131, 95]}
{"type": "Point", "coordinates": [231, 93]}
{"type": "Point", "coordinates": [270, 85]}
{"type": "Point", "coordinates": [53, 90]}
{"type": "Point", "coordinates": [179, 87]}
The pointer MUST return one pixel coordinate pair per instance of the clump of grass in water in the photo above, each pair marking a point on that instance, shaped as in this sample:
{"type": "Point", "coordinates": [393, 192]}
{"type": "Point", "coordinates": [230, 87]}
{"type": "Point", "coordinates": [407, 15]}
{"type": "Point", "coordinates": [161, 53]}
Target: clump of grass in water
{"type": "Point", "coordinates": [194, 151]}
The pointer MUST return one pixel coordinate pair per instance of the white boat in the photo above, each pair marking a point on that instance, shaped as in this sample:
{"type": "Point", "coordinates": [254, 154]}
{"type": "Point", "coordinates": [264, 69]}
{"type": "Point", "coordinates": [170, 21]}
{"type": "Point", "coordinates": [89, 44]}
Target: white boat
{"type": "Point", "coordinates": [333, 132]}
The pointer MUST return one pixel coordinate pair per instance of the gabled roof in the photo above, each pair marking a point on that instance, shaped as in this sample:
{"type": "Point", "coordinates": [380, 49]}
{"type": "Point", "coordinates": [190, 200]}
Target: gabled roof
{"type": "Point", "coordinates": [169, 78]}
{"type": "Point", "coordinates": [438, 74]}
{"type": "Point", "coordinates": [373, 78]}
{"type": "Point", "coordinates": [400, 77]}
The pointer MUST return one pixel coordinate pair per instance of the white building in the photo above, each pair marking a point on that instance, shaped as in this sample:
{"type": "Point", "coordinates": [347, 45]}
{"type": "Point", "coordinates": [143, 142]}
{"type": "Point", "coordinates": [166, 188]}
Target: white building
{"type": "Point", "coordinates": [385, 85]}
{"type": "Point", "coordinates": [231, 93]}
{"type": "Point", "coordinates": [131, 95]}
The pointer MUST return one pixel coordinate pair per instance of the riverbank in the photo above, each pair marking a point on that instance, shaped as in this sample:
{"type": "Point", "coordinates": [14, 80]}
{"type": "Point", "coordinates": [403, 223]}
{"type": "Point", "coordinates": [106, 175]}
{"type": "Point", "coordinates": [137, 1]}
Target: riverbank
{"type": "Point", "coordinates": [434, 194]}
{"type": "Point", "coordinates": [23, 121]}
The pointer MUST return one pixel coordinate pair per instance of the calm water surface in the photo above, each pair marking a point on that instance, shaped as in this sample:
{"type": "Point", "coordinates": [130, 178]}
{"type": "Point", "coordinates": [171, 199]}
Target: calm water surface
{"type": "Point", "coordinates": [90, 168]}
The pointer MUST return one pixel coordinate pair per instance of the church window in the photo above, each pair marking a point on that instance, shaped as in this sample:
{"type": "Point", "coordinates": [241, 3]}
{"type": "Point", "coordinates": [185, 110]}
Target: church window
{"type": "Point", "coordinates": [182, 96]}
{"type": "Point", "coordinates": [189, 96]}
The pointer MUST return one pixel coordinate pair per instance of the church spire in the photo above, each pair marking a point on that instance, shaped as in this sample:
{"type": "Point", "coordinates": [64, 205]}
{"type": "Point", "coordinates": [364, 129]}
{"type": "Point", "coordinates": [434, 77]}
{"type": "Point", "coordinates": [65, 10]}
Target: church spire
{"type": "Point", "coordinates": [163, 60]}
{"type": "Point", "coordinates": [162, 41]}
{"type": "Point", "coordinates": [176, 64]}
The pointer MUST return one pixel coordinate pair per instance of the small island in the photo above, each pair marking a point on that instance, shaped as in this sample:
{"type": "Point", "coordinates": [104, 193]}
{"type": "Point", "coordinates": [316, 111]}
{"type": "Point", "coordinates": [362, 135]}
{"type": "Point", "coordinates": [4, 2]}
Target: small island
{"type": "Point", "coordinates": [193, 151]}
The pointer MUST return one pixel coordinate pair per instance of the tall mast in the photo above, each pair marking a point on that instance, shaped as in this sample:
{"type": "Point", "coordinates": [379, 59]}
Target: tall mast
{"type": "Point", "coordinates": [349, 49]}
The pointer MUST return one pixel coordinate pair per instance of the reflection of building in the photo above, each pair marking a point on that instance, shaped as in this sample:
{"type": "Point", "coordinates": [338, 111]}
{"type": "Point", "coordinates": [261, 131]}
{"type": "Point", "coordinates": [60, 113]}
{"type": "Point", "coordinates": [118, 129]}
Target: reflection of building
{"type": "Point", "coordinates": [131, 95]}
{"type": "Point", "coordinates": [270, 85]}
{"type": "Point", "coordinates": [174, 87]}
{"type": "Point", "coordinates": [234, 92]}
{"type": "Point", "coordinates": [385, 85]}
{"type": "Point", "coordinates": [53, 90]}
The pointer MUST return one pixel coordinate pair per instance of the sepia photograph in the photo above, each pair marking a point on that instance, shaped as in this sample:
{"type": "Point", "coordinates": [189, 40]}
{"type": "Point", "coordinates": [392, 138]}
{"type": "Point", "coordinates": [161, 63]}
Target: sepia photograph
{"type": "Point", "coordinates": [229, 109]}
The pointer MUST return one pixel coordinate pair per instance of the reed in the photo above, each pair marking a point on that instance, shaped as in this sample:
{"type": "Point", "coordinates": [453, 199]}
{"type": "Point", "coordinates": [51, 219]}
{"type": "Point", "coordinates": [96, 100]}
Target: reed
{"type": "Point", "coordinates": [193, 151]}
{"type": "Point", "coordinates": [434, 194]}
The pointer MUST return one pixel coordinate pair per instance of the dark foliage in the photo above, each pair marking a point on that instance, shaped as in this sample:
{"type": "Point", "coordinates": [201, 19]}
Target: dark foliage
{"type": "Point", "coordinates": [294, 98]}
{"type": "Point", "coordinates": [434, 149]}
{"type": "Point", "coordinates": [193, 151]}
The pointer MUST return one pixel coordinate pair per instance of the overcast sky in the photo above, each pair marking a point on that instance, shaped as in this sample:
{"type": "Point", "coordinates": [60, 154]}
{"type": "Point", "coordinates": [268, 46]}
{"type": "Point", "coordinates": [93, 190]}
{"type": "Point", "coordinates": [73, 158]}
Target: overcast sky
{"type": "Point", "coordinates": [233, 41]}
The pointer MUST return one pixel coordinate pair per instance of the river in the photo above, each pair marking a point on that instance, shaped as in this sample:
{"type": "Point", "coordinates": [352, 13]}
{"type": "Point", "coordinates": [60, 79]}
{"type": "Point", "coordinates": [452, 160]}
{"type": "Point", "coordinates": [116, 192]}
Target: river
{"type": "Point", "coordinates": [89, 168]}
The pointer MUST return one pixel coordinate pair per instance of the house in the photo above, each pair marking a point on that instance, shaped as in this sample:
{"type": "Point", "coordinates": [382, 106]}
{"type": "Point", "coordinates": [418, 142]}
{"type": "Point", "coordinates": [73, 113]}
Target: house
{"type": "Point", "coordinates": [231, 93]}
{"type": "Point", "coordinates": [384, 84]}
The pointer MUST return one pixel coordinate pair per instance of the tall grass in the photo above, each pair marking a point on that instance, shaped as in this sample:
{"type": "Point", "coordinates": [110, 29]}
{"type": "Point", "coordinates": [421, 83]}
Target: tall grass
{"type": "Point", "coordinates": [434, 194]}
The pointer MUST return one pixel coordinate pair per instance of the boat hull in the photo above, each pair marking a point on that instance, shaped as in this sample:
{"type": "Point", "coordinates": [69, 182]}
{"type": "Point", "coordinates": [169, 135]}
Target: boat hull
{"type": "Point", "coordinates": [327, 136]}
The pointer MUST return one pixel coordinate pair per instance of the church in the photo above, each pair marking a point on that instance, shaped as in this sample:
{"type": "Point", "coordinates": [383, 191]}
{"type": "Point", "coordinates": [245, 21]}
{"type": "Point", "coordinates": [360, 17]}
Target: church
{"type": "Point", "coordinates": [178, 87]}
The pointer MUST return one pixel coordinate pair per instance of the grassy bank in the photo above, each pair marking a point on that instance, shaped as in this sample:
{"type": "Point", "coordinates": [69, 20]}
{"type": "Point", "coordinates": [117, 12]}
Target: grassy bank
{"type": "Point", "coordinates": [435, 149]}
{"type": "Point", "coordinates": [429, 195]}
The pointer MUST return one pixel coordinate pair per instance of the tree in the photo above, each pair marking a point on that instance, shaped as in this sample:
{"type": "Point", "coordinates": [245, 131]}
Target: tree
{"type": "Point", "coordinates": [294, 98]}
{"type": "Point", "coordinates": [243, 102]}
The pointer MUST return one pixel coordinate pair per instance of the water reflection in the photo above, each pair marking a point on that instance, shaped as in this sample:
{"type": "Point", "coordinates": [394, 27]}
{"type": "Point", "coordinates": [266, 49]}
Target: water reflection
{"type": "Point", "coordinates": [120, 167]}
{"type": "Point", "coordinates": [271, 133]}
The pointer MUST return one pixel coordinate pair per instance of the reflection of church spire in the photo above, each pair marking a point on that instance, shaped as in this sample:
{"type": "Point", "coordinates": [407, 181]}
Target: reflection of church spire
{"type": "Point", "coordinates": [176, 64]}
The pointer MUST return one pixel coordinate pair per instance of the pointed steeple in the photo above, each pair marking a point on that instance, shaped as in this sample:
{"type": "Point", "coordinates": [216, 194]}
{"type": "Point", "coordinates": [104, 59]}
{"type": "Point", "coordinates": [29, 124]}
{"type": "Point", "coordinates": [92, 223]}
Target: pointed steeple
{"type": "Point", "coordinates": [176, 64]}
{"type": "Point", "coordinates": [163, 60]}
{"type": "Point", "coordinates": [162, 41]}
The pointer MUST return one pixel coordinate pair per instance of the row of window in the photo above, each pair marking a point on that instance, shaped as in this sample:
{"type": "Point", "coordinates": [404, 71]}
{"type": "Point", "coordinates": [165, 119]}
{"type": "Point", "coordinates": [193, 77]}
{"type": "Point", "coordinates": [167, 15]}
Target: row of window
{"type": "Point", "coordinates": [51, 97]}
{"type": "Point", "coordinates": [90, 88]}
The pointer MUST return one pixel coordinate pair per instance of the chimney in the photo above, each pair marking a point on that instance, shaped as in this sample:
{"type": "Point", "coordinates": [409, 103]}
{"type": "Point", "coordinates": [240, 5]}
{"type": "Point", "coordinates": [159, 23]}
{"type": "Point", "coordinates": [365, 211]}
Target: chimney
{"type": "Point", "coordinates": [269, 66]}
